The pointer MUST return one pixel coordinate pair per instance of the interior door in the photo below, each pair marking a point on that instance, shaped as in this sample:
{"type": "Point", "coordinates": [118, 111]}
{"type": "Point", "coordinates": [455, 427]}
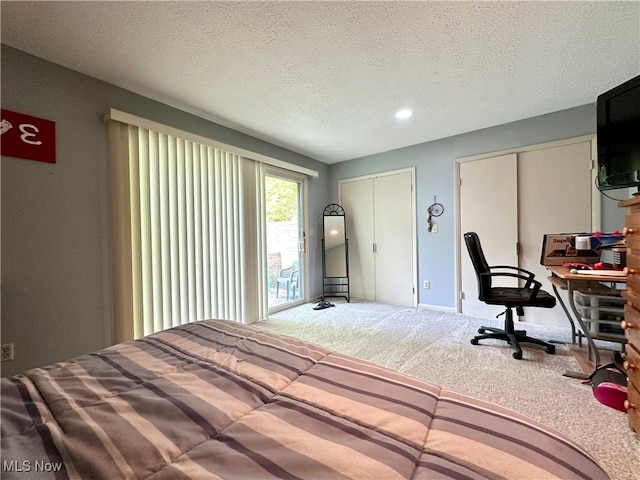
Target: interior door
{"type": "Point", "coordinates": [566, 171]}
{"type": "Point", "coordinates": [488, 206]}
{"type": "Point", "coordinates": [394, 239]}
{"type": "Point", "coordinates": [356, 197]}
{"type": "Point", "coordinates": [380, 212]}
{"type": "Point", "coordinates": [518, 198]}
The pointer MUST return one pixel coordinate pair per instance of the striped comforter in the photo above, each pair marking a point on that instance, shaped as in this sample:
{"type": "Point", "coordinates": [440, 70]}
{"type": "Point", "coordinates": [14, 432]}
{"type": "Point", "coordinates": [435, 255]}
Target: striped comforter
{"type": "Point", "coordinates": [217, 399]}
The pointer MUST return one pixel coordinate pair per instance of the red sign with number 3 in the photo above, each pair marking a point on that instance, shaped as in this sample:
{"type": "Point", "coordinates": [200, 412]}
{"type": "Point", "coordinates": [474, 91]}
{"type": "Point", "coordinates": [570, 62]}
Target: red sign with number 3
{"type": "Point", "coordinates": [24, 136]}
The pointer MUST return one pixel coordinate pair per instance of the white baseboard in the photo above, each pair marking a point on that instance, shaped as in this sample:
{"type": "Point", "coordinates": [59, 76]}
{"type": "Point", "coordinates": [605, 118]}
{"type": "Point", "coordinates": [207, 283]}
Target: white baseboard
{"type": "Point", "coordinates": [437, 307]}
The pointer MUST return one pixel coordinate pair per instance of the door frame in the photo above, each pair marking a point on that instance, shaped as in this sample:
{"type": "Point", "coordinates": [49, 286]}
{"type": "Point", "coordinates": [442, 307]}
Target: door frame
{"type": "Point", "coordinates": [595, 197]}
{"type": "Point", "coordinates": [414, 223]}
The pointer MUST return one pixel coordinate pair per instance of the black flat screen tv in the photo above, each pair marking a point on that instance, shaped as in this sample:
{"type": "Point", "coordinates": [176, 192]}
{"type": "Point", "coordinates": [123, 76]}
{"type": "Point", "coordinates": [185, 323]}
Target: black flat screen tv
{"type": "Point", "coordinates": [618, 136]}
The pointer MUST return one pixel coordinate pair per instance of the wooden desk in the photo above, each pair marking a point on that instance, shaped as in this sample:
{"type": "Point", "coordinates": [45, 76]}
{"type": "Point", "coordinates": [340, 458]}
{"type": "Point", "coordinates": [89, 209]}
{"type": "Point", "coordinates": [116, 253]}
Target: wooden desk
{"type": "Point", "coordinates": [562, 278]}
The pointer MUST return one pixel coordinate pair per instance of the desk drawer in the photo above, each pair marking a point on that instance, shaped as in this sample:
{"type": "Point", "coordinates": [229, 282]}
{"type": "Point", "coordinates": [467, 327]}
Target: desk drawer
{"type": "Point", "coordinates": [632, 220]}
{"type": "Point", "coordinates": [632, 226]}
{"type": "Point", "coordinates": [633, 281]}
{"type": "Point", "coordinates": [632, 298]}
{"type": "Point", "coordinates": [633, 258]}
{"type": "Point", "coordinates": [631, 324]}
{"type": "Point", "coordinates": [632, 364]}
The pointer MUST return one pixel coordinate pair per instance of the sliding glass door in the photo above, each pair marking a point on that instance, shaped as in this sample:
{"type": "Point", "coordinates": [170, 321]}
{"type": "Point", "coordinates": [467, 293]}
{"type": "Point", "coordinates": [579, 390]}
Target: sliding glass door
{"type": "Point", "coordinates": [285, 242]}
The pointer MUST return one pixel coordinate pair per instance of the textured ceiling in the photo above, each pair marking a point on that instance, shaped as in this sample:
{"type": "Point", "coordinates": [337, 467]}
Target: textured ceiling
{"type": "Point", "coordinates": [325, 78]}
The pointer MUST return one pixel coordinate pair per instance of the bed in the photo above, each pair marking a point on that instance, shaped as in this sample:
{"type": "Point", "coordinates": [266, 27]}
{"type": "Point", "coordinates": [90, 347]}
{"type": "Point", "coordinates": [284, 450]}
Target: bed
{"type": "Point", "coordinates": [217, 399]}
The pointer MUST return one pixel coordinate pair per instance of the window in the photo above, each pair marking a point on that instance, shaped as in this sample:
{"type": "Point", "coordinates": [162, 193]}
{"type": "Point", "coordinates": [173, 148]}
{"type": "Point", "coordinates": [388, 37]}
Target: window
{"type": "Point", "coordinates": [185, 224]}
{"type": "Point", "coordinates": [188, 222]}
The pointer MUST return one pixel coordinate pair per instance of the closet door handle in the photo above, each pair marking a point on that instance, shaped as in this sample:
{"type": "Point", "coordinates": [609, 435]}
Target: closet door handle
{"type": "Point", "coordinates": [375, 248]}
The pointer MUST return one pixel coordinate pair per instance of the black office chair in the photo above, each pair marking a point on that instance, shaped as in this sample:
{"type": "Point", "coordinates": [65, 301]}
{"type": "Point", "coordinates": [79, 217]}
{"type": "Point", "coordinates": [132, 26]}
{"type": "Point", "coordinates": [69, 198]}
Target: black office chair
{"type": "Point", "coordinates": [529, 295]}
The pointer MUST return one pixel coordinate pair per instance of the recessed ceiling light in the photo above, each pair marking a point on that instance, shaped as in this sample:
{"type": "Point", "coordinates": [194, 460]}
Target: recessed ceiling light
{"type": "Point", "coordinates": [404, 114]}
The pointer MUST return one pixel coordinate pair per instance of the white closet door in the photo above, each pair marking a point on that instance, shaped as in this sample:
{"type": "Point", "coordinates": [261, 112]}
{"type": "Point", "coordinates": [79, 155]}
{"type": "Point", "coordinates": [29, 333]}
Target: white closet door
{"type": "Point", "coordinates": [518, 198]}
{"type": "Point", "coordinates": [488, 206]}
{"type": "Point", "coordinates": [394, 239]}
{"type": "Point", "coordinates": [555, 189]}
{"type": "Point", "coordinates": [356, 197]}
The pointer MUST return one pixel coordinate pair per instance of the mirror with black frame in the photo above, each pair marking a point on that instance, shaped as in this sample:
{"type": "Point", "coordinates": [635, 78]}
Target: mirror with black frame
{"type": "Point", "coordinates": [335, 256]}
{"type": "Point", "coordinates": [335, 253]}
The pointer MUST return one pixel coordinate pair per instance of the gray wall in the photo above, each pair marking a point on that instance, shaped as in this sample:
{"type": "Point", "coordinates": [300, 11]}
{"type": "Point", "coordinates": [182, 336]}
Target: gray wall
{"type": "Point", "coordinates": [434, 162]}
{"type": "Point", "coordinates": [55, 254]}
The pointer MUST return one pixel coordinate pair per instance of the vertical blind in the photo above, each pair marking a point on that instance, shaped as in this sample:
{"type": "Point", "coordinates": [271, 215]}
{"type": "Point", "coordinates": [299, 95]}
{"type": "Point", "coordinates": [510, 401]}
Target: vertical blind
{"type": "Point", "coordinates": [187, 226]}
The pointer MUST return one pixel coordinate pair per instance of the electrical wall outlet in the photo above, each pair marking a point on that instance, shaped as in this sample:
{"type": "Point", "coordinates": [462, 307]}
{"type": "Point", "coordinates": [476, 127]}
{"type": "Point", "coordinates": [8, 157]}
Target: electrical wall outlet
{"type": "Point", "coordinates": [427, 284]}
{"type": "Point", "coordinates": [7, 352]}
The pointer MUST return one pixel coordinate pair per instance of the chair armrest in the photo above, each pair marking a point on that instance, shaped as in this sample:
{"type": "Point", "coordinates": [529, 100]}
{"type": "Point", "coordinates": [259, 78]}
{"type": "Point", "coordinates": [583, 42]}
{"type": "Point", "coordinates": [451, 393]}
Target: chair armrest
{"type": "Point", "coordinates": [286, 272]}
{"type": "Point", "coordinates": [527, 278]}
{"type": "Point", "coordinates": [529, 275]}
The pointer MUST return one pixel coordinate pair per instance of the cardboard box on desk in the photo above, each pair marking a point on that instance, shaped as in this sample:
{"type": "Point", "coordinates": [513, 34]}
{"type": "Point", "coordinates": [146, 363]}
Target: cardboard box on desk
{"type": "Point", "coordinates": [559, 248]}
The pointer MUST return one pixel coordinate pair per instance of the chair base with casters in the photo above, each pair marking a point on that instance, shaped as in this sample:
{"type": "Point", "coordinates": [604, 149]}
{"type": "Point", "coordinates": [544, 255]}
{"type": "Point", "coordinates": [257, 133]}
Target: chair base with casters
{"type": "Point", "coordinates": [512, 336]}
{"type": "Point", "coordinates": [528, 295]}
